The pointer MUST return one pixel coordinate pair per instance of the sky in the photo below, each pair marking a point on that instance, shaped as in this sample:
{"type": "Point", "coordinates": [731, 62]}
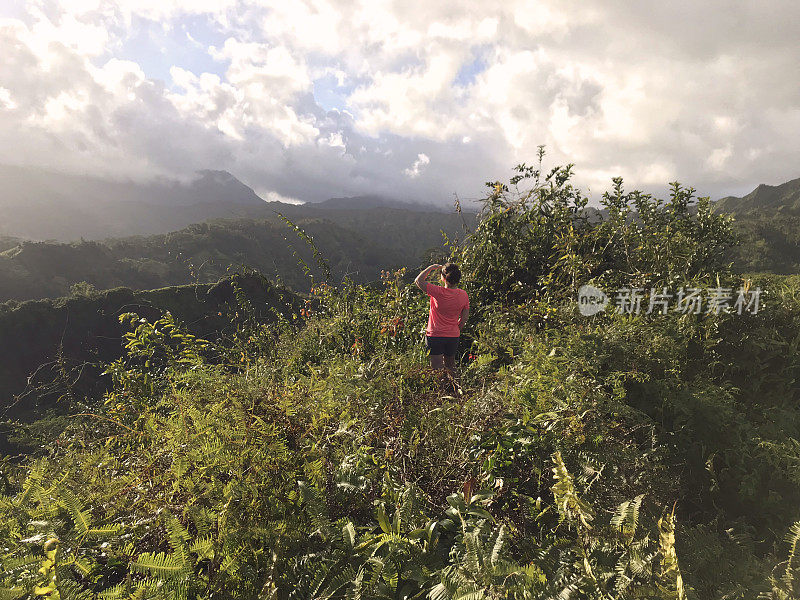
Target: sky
{"type": "Point", "coordinates": [412, 99]}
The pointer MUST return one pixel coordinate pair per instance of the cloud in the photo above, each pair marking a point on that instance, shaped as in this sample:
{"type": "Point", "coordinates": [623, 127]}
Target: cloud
{"type": "Point", "coordinates": [318, 98]}
{"type": "Point", "coordinates": [6, 100]}
{"type": "Point", "coordinates": [419, 166]}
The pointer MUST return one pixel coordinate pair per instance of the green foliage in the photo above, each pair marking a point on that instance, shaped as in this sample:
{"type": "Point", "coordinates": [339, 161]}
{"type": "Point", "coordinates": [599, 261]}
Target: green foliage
{"type": "Point", "coordinates": [155, 353]}
{"type": "Point", "coordinates": [544, 241]}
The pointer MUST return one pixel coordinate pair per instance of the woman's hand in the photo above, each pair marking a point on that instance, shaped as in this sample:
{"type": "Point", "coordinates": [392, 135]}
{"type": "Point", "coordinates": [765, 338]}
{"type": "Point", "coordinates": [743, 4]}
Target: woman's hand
{"type": "Point", "coordinates": [420, 280]}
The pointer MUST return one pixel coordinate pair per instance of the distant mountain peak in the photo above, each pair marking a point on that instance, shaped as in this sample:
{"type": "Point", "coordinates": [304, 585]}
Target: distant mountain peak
{"type": "Point", "coordinates": [216, 186]}
{"type": "Point", "coordinates": [217, 176]}
{"type": "Point", "coordinates": [784, 197]}
{"type": "Point", "coordinates": [39, 203]}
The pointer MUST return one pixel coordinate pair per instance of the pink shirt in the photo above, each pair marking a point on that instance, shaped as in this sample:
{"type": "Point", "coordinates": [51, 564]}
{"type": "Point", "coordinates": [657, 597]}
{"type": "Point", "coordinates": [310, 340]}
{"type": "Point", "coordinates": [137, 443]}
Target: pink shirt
{"type": "Point", "coordinates": [446, 307]}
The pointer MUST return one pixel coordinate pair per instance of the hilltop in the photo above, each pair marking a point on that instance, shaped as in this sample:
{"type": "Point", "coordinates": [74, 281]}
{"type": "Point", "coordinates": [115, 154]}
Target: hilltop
{"type": "Point", "coordinates": [767, 221]}
{"type": "Point", "coordinates": [39, 204]}
{"type": "Point", "coordinates": [45, 343]}
{"type": "Point", "coordinates": [783, 198]}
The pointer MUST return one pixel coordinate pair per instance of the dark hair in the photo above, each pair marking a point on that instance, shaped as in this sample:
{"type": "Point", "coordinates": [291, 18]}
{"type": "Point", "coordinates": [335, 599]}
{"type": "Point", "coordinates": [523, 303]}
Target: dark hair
{"type": "Point", "coordinates": [451, 273]}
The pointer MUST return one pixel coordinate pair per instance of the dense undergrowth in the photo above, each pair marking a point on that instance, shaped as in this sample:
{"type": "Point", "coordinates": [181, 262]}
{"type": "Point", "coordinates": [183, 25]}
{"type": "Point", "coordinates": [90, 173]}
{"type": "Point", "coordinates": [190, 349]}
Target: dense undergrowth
{"type": "Point", "coordinates": [614, 456]}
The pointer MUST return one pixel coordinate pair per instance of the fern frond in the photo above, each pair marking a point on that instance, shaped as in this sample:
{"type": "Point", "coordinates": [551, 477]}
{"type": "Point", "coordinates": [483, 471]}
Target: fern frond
{"type": "Point", "coordinates": [203, 547]}
{"type": "Point", "coordinates": [474, 556]}
{"type": "Point", "coordinates": [31, 487]}
{"type": "Point", "coordinates": [793, 539]}
{"type": "Point", "coordinates": [315, 507]}
{"type": "Point", "coordinates": [374, 566]}
{"type": "Point", "coordinates": [670, 573]}
{"type": "Point", "coordinates": [69, 590]}
{"type": "Point", "coordinates": [453, 586]}
{"type": "Point", "coordinates": [178, 536]}
{"type": "Point", "coordinates": [497, 546]}
{"type": "Point", "coordinates": [327, 588]}
{"type": "Point", "coordinates": [80, 518]}
{"type": "Point", "coordinates": [103, 531]}
{"type": "Point", "coordinates": [349, 534]}
{"type": "Point", "coordinates": [626, 518]}
{"type": "Point", "coordinates": [15, 566]}
{"type": "Point", "coordinates": [569, 504]}
{"type": "Point", "coordinates": [113, 593]}
{"type": "Point", "coordinates": [391, 574]}
{"type": "Point", "coordinates": [13, 593]}
{"type": "Point", "coordinates": [163, 565]}
{"type": "Point", "coordinates": [472, 595]}
{"type": "Point", "coordinates": [83, 564]}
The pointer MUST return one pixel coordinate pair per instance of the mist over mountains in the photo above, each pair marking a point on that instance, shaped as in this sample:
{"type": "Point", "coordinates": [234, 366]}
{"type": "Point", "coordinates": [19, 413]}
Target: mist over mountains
{"type": "Point", "coordinates": [38, 204]}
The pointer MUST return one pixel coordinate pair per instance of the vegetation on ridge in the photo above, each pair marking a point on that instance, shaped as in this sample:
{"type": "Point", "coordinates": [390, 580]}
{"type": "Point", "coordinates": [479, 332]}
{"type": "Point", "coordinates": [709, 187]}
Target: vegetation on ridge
{"type": "Point", "coordinates": [358, 244]}
{"type": "Point", "coordinates": [614, 456]}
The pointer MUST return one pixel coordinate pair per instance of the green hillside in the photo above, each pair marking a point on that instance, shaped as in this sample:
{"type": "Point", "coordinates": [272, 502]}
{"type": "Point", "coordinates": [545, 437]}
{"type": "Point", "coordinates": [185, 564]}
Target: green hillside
{"type": "Point", "coordinates": [783, 198]}
{"type": "Point", "coordinates": [53, 352]}
{"type": "Point", "coordinates": [623, 455]}
{"type": "Point", "coordinates": [767, 222]}
{"type": "Point", "coordinates": [356, 244]}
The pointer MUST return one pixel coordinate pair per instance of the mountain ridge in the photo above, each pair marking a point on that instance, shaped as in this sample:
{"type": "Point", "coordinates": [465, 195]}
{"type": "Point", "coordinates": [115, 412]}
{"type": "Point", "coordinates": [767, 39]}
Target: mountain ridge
{"type": "Point", "coordinates": [764, 198]}
{"type": "Point", "coordinates": [40, 204]}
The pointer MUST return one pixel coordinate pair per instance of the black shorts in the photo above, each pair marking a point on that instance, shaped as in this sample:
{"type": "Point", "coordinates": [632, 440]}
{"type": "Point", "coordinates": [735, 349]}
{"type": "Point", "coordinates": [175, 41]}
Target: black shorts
{"type": "Point", "coordinates": [442, 345]}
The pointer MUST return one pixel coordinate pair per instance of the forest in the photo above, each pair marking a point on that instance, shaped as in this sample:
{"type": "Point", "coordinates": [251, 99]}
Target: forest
{"type": "Point", "coordinates": [356, 243]}
{"type": "Point", "coordinates": [311, 453]}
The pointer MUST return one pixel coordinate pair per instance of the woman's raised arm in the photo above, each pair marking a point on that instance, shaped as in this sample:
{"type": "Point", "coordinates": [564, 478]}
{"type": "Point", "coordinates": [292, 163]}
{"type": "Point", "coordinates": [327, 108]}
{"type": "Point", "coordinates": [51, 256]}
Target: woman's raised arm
{"type": "Point", "coordinates": [420, 280]}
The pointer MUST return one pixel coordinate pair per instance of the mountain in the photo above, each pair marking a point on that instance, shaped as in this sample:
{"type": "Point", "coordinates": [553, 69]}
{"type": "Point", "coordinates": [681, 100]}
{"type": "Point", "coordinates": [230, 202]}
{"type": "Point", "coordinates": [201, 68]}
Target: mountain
{"type": "Point", "coordinates": [166, 232]}
{"type": "Point", "coordinates": [765, 198]}
{"type": "Point", "coordinates": [355, 243]}
{"type": "Point", "coordinates": [40, 204]}
{"type": "Point", "coordinates": [209, 187]}
{"type": "Point", "coordinates": [767, 223]}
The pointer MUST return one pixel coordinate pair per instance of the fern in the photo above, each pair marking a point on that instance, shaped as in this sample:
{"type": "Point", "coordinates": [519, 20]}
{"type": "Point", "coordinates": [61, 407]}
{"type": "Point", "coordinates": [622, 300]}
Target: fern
{"type": "Point", "coordinates": [203, 547]}
{"type": "Point", "coordinates": [114, 593]}
{"type": "Point", "coordinates": [792, 562]}
{"type": "Point", "coordinates": [315, 508]}
{"type": "Point", "coordinates": [497, 545]}
{"type": "Point", "coordinates": [570, 506]}
{"type": "Point", "coordinates": [626, 519]}
{"type": "Point", "coordinates": [12, 593]}
{"type": "Point", "coordinates": [80, 518]}
{"type": "Point", "coordinates": [166, 566]}
{"type": "Point", "coordinates": [671, 582]}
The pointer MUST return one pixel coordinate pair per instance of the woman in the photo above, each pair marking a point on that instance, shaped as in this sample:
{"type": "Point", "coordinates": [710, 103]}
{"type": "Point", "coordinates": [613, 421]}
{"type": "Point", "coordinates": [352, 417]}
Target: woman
{"type": "Point", "coordinates": [448, 315]}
